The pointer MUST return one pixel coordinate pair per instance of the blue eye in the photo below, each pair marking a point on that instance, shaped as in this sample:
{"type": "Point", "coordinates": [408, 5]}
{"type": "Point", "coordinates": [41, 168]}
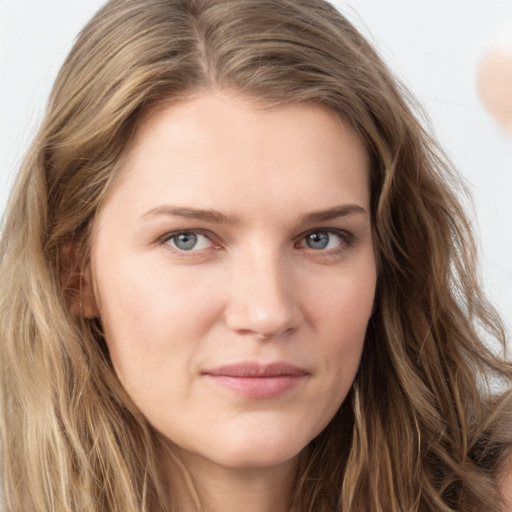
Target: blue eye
{"type": "Point", "coordinates": [188, 241]}
{"type": "Point", "coordinates": [320, 240]}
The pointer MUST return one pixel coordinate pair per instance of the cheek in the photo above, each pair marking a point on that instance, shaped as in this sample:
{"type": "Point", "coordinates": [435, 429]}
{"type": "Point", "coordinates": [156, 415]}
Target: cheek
{"type": "Point", "coordinates": [337, 346]}
{"type": "Point", "coordinates": [344, 308]}
{"type": "Point", "coordinates": [150, 318]}
{"type": "Point", "coordinates": [343, 313]}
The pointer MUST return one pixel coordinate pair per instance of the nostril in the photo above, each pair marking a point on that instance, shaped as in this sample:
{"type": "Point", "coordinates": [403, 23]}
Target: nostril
{"type": "Point", "coordinates": [264, 319]}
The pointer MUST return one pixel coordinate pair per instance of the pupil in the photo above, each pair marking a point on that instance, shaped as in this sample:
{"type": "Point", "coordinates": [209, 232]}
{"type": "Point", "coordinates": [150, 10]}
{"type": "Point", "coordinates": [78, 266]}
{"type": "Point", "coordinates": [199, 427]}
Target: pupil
{"type": "Point", "coordinates": [318, 240]}
{"type": "Point", "coordinates": [186, 241]}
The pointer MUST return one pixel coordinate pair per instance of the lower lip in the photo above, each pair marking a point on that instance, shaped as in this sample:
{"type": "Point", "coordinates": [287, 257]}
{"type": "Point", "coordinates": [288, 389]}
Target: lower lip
{"type": "Point", "coordinates": [258, 387]}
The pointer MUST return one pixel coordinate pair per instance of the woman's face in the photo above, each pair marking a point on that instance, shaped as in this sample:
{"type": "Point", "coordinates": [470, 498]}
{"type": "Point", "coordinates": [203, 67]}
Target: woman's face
{"type": "Point", "coordinates": [234, 274]}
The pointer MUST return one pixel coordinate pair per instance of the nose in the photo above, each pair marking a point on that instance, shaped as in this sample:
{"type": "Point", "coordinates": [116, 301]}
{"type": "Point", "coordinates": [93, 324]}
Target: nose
{"type": "Point", "coordinates": [263, 298]}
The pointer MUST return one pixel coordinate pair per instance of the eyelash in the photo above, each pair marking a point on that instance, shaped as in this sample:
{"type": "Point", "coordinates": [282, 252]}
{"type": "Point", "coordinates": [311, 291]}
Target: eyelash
{"type": "Point", "coordinates": [165, 239]}
{"type": "Point", "coordinates": [346, 241]}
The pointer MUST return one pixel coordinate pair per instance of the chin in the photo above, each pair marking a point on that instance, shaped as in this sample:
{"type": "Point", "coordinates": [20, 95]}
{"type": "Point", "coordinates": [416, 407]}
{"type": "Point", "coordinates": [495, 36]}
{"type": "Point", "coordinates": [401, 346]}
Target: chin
{"type": "Point", "coordinates": [259, 449]}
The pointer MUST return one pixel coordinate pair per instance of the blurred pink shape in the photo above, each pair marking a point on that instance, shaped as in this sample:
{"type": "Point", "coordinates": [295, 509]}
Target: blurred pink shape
{"type": "Point", "coordinates": [494, 79]}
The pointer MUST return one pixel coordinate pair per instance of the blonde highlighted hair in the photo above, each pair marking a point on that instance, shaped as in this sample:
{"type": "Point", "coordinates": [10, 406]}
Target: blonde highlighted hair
{"type": "Point", "coordinates": [419, 431]}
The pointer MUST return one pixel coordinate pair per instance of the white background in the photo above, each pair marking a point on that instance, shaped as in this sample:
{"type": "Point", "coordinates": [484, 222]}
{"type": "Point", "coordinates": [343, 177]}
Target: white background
{"type": "Point", "coordinates": [432, 45]}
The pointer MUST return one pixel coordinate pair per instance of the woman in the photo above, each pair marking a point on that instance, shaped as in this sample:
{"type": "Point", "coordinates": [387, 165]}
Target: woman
{"type": "Point", "coordinates": [235, 276]}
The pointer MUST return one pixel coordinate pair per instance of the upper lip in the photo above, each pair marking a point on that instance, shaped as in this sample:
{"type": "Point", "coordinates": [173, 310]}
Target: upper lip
{"type": "Point", "coordinates": [251, 369]}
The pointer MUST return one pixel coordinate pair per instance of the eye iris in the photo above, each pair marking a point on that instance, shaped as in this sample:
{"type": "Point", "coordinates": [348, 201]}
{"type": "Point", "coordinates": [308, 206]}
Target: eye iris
{"type": "Point", "coordinates": [317, 240]}
{"type": "Point", "coordinates": [185, 241]}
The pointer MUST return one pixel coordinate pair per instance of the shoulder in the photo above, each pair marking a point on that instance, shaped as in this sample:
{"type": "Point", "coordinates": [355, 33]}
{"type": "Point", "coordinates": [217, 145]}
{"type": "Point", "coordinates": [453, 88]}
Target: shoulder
{"type": "Point", "coordinates": [503, 433]}
{"type": "Point", "coordinates": [505, 483]}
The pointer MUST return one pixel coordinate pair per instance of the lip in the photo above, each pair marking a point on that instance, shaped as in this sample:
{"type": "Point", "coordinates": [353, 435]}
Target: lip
{"type": "Point", "coordinates": [254, 380]}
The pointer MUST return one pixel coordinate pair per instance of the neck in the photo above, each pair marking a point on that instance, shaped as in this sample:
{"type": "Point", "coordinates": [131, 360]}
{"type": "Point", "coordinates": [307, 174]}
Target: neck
{"type": "Point", "coordinates": [201, 485]}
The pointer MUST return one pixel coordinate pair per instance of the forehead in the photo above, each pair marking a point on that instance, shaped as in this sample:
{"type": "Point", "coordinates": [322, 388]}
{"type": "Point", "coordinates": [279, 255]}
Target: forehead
{"type": "Point", "coordinates": [219, 148]}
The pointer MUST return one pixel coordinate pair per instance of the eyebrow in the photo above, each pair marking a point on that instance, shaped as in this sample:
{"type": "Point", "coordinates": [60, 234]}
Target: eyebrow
{"type": "Point", "coordinates": [213, 216]}
{"type": "Point", "coordinates": [216, 217]}
{"type": "Point", "coordinates": [333, 213]}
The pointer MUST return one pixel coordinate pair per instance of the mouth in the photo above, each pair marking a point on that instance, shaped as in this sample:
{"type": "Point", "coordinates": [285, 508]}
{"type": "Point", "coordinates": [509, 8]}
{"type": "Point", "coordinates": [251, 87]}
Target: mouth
{"type": "Point", "coordinates": [253, 380]}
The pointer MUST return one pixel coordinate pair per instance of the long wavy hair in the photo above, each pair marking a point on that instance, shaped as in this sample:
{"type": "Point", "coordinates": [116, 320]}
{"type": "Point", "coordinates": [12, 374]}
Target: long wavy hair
{"type": "Point", "coordinates": [421, 429]}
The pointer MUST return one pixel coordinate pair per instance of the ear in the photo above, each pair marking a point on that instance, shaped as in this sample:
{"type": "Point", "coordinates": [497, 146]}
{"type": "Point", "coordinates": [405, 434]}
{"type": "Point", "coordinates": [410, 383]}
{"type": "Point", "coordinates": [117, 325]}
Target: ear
{"type": "Point", "coordinates": [77, 281]}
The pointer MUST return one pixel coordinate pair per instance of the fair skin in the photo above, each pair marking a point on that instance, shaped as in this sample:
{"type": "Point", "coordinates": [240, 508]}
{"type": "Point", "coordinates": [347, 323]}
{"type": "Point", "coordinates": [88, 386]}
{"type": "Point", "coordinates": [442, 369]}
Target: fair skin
{"type": "Point", "coordinates": [233, 270]}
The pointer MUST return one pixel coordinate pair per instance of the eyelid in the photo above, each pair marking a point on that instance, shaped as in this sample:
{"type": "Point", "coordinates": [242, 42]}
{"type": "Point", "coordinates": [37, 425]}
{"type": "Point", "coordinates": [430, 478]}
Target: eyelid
{"type": "Point", "coordinates": [347, 239]}
{"type": "Point", "coordinates": [346, 242]}
{"type": "Point", "coordinates": [342, 233]}
{"type": "Point", "coordinates": [164, 239]}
